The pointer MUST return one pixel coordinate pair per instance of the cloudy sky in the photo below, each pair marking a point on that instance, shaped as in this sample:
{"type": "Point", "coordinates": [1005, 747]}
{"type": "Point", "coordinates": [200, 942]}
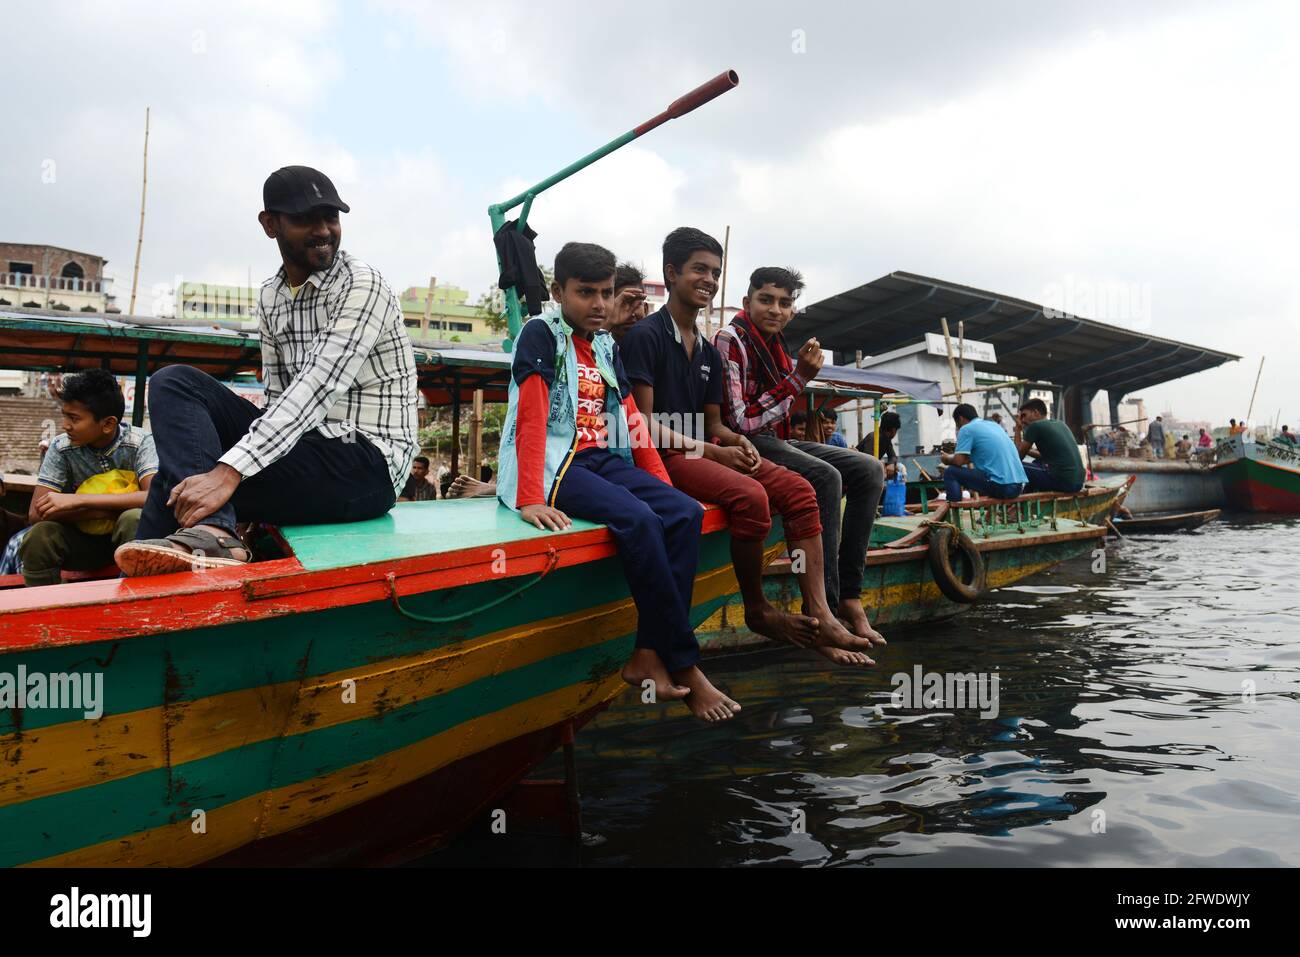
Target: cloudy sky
{"type": "Point", "coordinates": [1136, 157]}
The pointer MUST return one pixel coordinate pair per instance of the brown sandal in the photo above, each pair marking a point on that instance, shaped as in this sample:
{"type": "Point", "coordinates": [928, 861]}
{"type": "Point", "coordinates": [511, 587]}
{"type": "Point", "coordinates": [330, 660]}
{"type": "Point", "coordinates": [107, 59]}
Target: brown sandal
{"type": "Point", "coordinates": [199, 550]}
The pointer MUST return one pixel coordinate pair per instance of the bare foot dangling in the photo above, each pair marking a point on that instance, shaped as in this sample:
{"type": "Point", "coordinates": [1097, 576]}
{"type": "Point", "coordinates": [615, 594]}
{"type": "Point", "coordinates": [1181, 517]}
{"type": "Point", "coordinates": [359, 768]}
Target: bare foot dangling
{"type": "Point", "coordinates": [851, 611]}
{"type": "Point", "coordinates": [705, 701]}
{"type": "Point", "coordinates": [645, 665]}
{"type": "Point", "coordinates": [771, 622]}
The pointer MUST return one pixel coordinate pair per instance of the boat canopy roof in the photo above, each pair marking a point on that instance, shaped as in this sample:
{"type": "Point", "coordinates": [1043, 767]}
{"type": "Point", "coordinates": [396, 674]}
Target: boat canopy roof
{"type": "Point", "coordinates": [54, 343]}
{"type": "Point", "coordinates": [134, 345]}
{"type": "Point", "coordinates": [1031, 341]}
{"type": "Point", "coordinates": [847, 382]}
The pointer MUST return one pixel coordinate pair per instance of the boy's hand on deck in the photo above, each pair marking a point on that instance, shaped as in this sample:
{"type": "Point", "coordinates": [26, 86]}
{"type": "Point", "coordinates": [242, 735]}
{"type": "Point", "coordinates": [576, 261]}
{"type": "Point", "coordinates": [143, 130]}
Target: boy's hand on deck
{"type": "Point", "coordinates": [545, 517]}
{"type": "Point", "coordinates": [195, 498]}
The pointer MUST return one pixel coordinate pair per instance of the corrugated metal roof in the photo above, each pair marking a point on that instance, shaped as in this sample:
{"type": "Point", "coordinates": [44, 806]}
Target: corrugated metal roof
{"type": "Point", "coordinates": [1032, 341]}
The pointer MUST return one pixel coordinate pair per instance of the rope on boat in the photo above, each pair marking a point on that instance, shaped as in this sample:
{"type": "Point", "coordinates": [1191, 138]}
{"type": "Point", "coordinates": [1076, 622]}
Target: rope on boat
{"type": "Point", "coordinates": [552, 560]}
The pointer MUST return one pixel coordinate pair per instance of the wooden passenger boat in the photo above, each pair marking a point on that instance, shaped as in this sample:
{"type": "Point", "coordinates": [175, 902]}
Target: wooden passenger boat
{"type": "Point", "coordinates": [903, 584]}
{"type": "Point", "coordinates": [1259, 476]}
{"type": "Point", "coordinates": [1156, 524]}
{"type": "Point", "coordinates": [423, 661]}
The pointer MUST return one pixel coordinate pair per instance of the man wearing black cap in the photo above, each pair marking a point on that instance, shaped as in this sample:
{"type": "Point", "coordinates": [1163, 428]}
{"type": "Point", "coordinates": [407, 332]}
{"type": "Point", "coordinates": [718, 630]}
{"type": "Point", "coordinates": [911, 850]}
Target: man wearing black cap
{"type": "Point", "coordinates": [337, 437]}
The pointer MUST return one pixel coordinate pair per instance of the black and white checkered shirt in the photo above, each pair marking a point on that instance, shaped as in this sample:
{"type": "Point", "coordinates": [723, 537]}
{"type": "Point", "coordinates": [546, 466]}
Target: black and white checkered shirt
{"type": "Point", "coordinates": [335, 358]}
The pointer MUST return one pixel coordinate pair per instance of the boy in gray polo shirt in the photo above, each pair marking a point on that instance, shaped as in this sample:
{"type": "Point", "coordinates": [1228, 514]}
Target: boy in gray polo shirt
{"type": "Point", "coordinates": [80, 531]}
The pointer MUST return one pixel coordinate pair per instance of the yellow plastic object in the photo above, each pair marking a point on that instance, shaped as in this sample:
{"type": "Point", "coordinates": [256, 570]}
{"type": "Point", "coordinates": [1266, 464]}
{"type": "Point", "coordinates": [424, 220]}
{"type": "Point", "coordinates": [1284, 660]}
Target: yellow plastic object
{"type": "Point", "coordinates": [113, 482]}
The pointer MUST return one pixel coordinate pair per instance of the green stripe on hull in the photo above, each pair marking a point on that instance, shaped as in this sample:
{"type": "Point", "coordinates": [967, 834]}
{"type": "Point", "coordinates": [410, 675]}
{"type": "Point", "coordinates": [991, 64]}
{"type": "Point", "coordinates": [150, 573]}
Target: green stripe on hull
{"type": "Point", "coordinates": [149, 671]}
{"type": "Point", "coordinates": [911, 593]}
{"type": "Point", "coordinates": [117, 809]}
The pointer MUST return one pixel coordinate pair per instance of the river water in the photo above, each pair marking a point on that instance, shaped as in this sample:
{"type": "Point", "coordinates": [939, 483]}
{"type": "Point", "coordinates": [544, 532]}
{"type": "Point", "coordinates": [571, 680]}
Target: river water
{"type": "Point", "coordinates": [1147, 715]}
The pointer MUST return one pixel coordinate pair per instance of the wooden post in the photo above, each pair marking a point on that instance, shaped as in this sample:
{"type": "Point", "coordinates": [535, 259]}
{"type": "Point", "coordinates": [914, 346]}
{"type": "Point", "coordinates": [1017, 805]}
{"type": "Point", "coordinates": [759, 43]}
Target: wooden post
{"type": "Point", "coordinates": [722, 304]}
{"type": "Point", "coordinates": [1256, 389]}
{"type": "Point", "coordinates": [961, 357]}
{"type": "Point", "coordinates": [952, 366]}
{"type": "Point", "coordinates": [455, 424]}
{"type": "Point", "coordinates": [139, 241]}
{"type": "Point", "coordinates": [476, 436]}
{"type": "Point", "coordinates": [857, 364]}
{"type": "Point", "coordinates": [428, 308]}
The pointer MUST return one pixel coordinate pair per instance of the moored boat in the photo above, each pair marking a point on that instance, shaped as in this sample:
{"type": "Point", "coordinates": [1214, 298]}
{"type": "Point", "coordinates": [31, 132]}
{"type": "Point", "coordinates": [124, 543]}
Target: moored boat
{"type": "Point", "coordinates": [904, 583]}
{"type": "Point", "coordinates": [1259, 476]}
{"type": "Point", "coordinates": [441, 651]}
{"type": "Point", "coordinates": [1155, 524]}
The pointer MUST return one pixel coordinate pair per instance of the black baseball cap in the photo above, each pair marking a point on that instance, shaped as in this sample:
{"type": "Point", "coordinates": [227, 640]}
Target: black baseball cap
{"type": "Point", "coordinates": [297, 189]}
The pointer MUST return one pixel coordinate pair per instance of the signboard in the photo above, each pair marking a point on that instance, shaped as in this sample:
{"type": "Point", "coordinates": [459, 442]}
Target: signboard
{"type": "Point", "coordinates": [254, 392]}
{"type": "Point", "coordinates": [971, 349]}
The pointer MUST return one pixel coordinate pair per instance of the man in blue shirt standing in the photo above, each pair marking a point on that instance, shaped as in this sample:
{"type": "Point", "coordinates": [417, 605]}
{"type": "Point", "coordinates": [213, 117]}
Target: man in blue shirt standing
{"type": "Point", "coordinates": [985, 461]}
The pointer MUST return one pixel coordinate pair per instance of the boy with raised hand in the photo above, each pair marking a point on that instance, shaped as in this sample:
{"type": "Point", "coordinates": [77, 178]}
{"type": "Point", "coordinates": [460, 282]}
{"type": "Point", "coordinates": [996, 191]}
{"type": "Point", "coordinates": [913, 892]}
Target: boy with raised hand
{"type": "Point", "coordinates": [763, 381]}
{"type": "Point", "coordinates": [80, 531]}
{"type": "Point", "coordinates": [677, 382]}
{"type": "Point", "coordinates": [568, 447]}
{"type": "Point", "coordinates": [629, 305]}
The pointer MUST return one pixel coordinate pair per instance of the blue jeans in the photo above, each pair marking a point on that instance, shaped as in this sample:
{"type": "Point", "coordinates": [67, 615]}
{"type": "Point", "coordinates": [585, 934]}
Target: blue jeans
{"type": "Point", "coordinates": [195, 420]}
{"type": "Point", "coordinates": [1041, 479]}
{"type": "Point", "coordinates": [657, 531]}
{"type": "Point", "coordinates": [957, 477]}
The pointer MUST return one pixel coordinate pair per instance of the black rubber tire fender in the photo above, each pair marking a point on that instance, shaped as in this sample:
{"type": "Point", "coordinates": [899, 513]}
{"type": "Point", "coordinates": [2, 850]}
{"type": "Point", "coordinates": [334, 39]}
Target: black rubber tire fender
{"type": "Point", "coordinates": [945, 542]}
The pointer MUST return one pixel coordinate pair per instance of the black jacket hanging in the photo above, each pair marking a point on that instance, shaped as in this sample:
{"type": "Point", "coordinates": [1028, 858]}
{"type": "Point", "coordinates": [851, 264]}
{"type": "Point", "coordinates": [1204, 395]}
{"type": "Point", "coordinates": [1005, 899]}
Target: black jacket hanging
{"type": "Point", "coordinates": [519, 267]}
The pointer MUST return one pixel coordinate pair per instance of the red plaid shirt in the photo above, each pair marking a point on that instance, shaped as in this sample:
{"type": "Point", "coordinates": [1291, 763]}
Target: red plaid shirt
{"type": "Point", "coordinates": [749, 409]}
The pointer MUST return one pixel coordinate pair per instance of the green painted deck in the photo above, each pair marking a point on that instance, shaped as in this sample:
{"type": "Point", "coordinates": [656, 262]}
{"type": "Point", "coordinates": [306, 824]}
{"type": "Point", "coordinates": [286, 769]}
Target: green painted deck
{"type": "Point", "coordinates": [412, 529]}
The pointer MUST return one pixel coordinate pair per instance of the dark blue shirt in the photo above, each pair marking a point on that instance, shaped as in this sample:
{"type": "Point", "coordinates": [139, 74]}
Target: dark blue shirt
{"type": "Point", "coordinates": [653, 354]}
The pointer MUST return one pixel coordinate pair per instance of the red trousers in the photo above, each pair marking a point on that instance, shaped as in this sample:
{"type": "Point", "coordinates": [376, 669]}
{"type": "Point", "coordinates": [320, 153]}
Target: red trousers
{"type": "Point", "coordinates": [749, 500]}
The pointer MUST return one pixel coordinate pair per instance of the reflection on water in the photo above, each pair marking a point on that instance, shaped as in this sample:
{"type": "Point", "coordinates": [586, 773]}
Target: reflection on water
{"type": "Point", "coordinates": [1123, 735]}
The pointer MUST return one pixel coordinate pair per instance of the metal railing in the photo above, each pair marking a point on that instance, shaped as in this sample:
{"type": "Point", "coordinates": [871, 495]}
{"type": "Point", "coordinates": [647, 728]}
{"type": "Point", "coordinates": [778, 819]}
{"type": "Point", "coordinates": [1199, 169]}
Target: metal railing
{"type": "Point", "coordinates": [27, 280]}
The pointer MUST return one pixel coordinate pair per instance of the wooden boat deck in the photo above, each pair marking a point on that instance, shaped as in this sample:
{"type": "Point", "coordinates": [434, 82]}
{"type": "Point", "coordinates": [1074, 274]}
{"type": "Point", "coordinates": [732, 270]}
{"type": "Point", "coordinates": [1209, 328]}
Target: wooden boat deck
{"type": "Point", "coordinates": [413, 529]}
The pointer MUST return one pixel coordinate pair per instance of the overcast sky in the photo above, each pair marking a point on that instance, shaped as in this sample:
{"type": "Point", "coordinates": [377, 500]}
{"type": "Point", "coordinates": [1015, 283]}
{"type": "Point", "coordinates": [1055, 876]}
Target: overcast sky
{"type": "Point", "coordinates": [1134, 162]}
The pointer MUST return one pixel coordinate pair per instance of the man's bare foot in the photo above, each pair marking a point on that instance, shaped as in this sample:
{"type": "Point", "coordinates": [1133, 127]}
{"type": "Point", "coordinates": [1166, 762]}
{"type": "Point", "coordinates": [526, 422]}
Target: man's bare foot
{"type": "Point", "coordinates": [705, 701]}
{"type": "Point", "coordinates": [840, 656]}
{"type": "Point", "coordinates": [851, 611]}
{"type": "Point", "coordinates": [644, 665]}
{"type": "Point", "coordinates": [463, 486]}
{"type": "Point", "coordinates": [831, 633]}
{"type": "Point", "coordinates": [771, 622]}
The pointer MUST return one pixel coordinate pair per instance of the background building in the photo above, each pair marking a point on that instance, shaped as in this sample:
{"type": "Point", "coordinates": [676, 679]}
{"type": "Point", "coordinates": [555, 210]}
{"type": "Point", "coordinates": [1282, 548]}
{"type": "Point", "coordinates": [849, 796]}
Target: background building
{"type": "Point", "coordinates": [446, 316]}
{"type": "Point", "coordinates": [212, 302]}
{"type": "Point", "coordinates": [36, 276]}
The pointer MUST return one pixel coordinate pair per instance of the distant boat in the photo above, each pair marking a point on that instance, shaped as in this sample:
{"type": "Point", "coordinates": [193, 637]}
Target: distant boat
{"type": "Point", "coordinates": [1179, 522]}
{"type": "Point", "coordinates": [905, 583]}
{"type": "Point", "coordinates": [1259, 476]}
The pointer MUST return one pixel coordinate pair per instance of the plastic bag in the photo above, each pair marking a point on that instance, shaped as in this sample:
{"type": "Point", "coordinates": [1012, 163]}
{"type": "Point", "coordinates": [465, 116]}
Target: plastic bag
{"type": "Point", "coordinates": [113, 482]}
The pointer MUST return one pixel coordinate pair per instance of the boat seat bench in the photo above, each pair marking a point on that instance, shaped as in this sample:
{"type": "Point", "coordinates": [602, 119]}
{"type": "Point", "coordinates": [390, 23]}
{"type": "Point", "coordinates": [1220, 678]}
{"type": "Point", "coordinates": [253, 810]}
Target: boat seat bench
{"type": "Point", "coordinates": [413, 529]}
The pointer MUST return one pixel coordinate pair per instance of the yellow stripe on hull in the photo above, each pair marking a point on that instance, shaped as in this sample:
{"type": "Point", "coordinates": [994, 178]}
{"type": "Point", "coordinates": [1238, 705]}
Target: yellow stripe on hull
{"type": "Point", "coordinates": [79, 754]}
{"type": "Point", "coordinates": [283, 809]}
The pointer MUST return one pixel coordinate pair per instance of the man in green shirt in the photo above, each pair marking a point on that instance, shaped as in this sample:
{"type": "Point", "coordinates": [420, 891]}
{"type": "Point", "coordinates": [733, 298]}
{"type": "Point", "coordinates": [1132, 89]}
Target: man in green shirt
{"type": "Point", "coordinates": [1059, 467]}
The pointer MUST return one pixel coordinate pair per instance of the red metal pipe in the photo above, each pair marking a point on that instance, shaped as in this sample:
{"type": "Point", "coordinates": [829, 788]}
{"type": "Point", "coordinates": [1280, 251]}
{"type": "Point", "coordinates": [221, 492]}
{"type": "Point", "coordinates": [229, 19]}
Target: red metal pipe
{"type": "Point", "coordinates": [720, 84]}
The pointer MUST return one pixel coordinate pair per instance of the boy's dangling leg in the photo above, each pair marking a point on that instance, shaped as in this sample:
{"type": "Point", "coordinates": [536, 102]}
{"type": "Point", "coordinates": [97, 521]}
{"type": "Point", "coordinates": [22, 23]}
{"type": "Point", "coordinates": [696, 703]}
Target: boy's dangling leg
{"type": "Point", "coordinates": [658, 540]}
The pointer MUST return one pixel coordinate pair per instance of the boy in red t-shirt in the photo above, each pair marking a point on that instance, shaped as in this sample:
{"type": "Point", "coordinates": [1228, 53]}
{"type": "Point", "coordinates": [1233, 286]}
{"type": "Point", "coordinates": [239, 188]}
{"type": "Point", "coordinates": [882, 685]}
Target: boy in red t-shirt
{"type": "Point", "coordinates": [573, 443]}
